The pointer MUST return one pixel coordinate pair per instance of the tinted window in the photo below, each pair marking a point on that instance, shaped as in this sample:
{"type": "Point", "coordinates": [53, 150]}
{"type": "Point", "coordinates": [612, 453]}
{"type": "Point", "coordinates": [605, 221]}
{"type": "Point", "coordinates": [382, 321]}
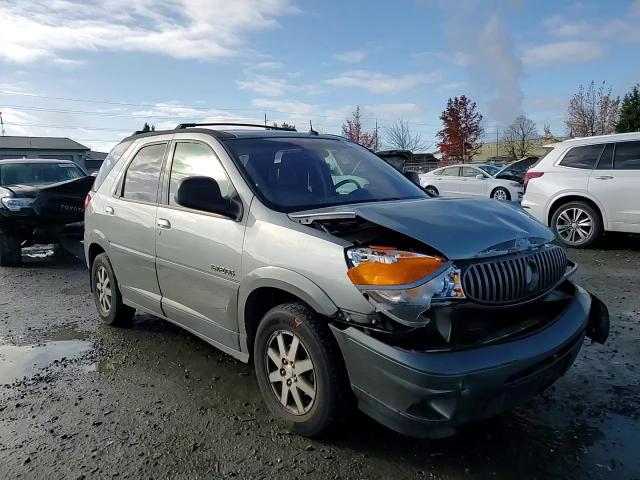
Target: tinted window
{"type": "Point", "coordinates": [196, 159]}
{"type": "Point", "coordinates": [38, 173]}
{"type": "Point", "coordinates": [490, 169]}
{"type": "Point", "coordinates": [469, 172]}
{"type": "Point", "coordinates": [582, 157]}
{"type": "Point", "coordinates": [293, 173]}
{"type": "Point", "coordinates": [627, 156]}
{"type": "Point", "coordinates": [109, 161]}
{"type": "Point", "coordinates": [606, 159]}
{"type": "Point", "coordinates": [451, 171]}
{"type": "Point", "coordinates": [141, 180]}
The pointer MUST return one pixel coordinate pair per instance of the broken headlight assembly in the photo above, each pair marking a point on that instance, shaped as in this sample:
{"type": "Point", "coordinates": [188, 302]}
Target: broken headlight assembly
{"type": "Point", "coordinates": [16, 204]}
{"type": "Point", "coordinates": [403, 284]}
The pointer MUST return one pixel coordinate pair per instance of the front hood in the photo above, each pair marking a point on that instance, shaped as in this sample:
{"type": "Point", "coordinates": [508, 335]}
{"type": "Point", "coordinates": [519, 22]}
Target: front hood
{"type": "Point", "coordinates": [458, 228]}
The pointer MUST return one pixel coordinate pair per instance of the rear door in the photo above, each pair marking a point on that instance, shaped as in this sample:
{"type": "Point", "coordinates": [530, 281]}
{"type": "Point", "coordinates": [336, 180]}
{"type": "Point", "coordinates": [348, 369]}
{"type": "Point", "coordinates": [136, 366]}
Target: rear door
{"type": "Point", "coordinates": [447, 182]}
{"type": "Point", "coordinates": [471, 186]}
{"type": "Point", "coordinates": [129, 218]}
{"type": "Point", "coordinates": [198, 253]}
{"type": "Point", "coordinates": [615, 183]}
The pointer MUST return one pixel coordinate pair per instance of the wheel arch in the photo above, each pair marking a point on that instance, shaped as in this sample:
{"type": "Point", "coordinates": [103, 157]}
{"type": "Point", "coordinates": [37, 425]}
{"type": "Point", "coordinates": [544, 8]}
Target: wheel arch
{"type": "Point", "coordinates": [267, 287]}
{"type": "Point", "coordinates": [556, 203]}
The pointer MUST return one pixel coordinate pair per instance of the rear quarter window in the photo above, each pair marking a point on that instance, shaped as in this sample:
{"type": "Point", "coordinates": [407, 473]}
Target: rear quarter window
{"type": "Point", "coordinates": [109, 162]}
{"type": "Point", "coordinates": [584, 157]}
{"type": "Point", "coordinates": [627, 156]}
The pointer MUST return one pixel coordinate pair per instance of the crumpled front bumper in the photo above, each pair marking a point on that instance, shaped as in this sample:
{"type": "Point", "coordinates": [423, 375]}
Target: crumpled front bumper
{"type": "Point", "coordinates": [429, 394]}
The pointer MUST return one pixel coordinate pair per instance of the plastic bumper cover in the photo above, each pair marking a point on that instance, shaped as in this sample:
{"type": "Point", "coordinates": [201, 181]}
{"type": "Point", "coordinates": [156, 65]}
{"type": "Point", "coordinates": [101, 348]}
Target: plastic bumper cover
{"type": "Point", "coordinates": [429, 394]}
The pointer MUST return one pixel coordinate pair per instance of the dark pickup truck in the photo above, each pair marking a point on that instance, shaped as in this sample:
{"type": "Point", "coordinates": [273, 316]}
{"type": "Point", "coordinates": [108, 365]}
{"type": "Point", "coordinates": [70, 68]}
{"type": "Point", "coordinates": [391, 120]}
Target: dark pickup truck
{"type": "Point", "coordinates": [41, 201]}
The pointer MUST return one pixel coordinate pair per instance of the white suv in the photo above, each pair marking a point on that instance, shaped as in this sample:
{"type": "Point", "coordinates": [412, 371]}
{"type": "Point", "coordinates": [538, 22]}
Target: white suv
{"type": "Point", "coordinates": [585, 186]}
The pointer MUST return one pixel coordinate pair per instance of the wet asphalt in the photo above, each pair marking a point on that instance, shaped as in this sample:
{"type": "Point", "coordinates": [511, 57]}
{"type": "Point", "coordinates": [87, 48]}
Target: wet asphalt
{"type": "Point", "coordinates": [82, 400]}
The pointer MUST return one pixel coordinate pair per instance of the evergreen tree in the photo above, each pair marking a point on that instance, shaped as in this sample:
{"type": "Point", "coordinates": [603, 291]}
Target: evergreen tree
{"type": "Point", "coordinates": [629, 120]}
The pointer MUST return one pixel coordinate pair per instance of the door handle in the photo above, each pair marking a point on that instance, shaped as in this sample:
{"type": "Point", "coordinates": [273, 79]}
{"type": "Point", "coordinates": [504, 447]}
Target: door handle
{"type": "Point", "coordinates": [604, 177]}
{"type": "Point", "coordinates": [109, 210]}
{"type": "Point", "coordinates": [163, 223]}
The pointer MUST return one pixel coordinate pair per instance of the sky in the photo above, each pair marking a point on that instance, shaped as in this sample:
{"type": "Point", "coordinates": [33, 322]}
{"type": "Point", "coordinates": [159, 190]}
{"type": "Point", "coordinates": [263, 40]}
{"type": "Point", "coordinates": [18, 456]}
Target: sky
{"type": "Point", "coordinates": [95, 71]}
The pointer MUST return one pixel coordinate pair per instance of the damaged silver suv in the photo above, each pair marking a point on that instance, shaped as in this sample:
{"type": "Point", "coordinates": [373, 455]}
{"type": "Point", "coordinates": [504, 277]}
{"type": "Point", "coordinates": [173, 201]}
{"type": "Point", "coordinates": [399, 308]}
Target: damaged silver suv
{"type": "Point", "coordinates": [338, 277]}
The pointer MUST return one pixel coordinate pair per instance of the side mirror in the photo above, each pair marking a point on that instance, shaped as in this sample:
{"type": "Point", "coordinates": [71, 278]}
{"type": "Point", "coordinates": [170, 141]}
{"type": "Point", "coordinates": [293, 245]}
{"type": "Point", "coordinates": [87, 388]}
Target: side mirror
{"type": "Point", "coordinates": [413, 176]}
{"type": "Point", "coordinates": [480, 176]}
{"type": "Point", "coordinates": [203, 193]}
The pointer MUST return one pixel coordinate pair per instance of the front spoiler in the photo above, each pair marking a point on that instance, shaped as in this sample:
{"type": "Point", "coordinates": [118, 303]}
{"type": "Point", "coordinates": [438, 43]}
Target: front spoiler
{"type": "Point", "coordinates": [430, 394]}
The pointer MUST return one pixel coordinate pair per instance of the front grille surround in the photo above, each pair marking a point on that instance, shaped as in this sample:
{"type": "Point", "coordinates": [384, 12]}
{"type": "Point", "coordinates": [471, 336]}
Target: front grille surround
{"type": "Point", "coordinates": [514, 278]}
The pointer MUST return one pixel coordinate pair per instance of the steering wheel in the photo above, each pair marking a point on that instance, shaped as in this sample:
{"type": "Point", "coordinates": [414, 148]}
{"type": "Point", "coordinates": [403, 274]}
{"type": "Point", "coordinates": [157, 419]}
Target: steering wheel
{"type": "Point", "coordinates": [345, 181]}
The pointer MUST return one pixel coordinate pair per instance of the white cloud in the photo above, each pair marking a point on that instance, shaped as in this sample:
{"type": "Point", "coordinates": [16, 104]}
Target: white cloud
{"type": "Point", "coordinates": [351, 56]}
{"type": "Point", "coordinates": [184, 29]}
{"type": "Point", "coordinates": [380, 82]}
{"type": "Point", "coordinates": [450, 86]}
{"type": "Point", "coordinates": [265, 85]}
{"type": "Point", "coordinates": [572, 51]}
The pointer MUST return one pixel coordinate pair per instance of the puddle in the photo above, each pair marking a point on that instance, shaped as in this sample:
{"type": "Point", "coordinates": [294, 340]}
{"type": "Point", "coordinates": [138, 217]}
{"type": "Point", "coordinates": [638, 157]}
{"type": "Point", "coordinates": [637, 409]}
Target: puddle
{"type": "Point", "coordinates": [617, 450]}
{"type": "Point", "coordinates": [17, 362]}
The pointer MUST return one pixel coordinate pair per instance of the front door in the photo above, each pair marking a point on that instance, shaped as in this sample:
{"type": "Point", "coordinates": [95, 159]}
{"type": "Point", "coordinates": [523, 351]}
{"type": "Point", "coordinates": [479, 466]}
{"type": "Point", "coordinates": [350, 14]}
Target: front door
{"type": "Point", "coordinates": [199, 253]}
{"type": "Point", "coordinates": [130, 218]}
{"type": "Point", "coordinates": [615, 183]}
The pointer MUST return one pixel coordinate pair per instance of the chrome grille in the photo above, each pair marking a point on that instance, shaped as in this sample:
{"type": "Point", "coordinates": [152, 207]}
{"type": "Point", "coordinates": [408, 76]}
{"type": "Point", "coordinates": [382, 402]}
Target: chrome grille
{"type": "Point", "coordinates": [514, 278]}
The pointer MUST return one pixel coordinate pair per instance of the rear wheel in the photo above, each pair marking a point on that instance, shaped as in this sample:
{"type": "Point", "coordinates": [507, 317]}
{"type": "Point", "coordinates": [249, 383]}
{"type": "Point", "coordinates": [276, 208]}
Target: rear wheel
{"type": "Point", "coordinates": [501, 193]}
{"type": "Point", "coordinates": [300, 369]}
{"type": "Point", "coordinates": [431, 190]}
{"type": "Point", "coordinates": [106, 293]}
{"type": "Point", "coordinates": [577, 224]}
{"type": "Point", "coordinates": [10, 250]}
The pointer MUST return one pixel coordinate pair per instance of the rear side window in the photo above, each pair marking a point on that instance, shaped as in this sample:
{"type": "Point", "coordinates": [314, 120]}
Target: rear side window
{"type": "Point", "coordinates": [582, 157]}
{"type": "Point", "coordinates": [143, 174]}
{"type": "Point", "coordinates": [110, 160]}
{"type": "Point", "coordinates": [627, 156]}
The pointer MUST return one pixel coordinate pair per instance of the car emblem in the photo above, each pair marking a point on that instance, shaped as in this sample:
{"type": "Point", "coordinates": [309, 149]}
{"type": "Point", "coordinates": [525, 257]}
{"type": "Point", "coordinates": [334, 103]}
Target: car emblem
{"type": "Point", "coordinates": [532, 276]}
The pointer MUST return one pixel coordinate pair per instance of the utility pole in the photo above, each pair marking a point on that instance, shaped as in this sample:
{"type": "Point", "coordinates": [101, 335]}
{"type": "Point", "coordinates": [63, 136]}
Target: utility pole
{"type": "Point", "coordinates": [376, 134]}
{"type": "Point", "coordinates": [2, 125]}
{"type": "Point", "coordinates": [265, 118]}
{"type": "Point", "coordinates": [497, 132]}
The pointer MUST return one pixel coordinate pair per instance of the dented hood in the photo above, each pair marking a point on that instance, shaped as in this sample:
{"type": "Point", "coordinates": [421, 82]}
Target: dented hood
{"type": "Point", "coordinates": [458, 228]}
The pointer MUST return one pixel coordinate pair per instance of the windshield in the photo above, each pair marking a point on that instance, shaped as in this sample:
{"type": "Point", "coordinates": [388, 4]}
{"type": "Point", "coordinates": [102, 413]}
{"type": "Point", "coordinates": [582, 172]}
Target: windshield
{"type": "Point", "coordinates": [32, 173]}
{"type": "Point", "coordinates": [303, 173]}
{"type": "Point", "coordinates": [490, 169]}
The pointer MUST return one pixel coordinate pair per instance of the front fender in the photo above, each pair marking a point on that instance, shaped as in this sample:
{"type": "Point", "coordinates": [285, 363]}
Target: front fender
{"type": "Point", "coordinates": [286, 280]}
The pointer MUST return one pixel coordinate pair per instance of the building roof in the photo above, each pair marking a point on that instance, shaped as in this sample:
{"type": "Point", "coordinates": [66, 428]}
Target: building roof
{"type": "Point", "coordinates": [91, 155]}
{"type": "Point", "coordinates": [40, 143]}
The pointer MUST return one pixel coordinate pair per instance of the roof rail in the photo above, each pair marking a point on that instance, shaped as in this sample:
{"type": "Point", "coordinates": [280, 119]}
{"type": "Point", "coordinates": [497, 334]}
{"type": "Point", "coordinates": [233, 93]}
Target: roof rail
{"type": "Point", "coordinates": [224, 124]}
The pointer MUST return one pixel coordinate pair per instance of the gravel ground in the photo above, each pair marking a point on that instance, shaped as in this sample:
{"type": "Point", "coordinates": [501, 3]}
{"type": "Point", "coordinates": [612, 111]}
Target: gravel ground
{"type": "Point", "coordinates": [82, 400]}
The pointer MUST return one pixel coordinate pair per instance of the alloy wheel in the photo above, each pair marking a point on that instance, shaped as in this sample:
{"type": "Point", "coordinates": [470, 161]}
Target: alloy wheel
{"type": "Point", "coordinates": [574, 226]}
{"type": "Point", "coordinates": [290, 371]}
{"type": "Point", "coordinates": [500, 194]}
{"type": "Point", "coordinates": [103, 287]}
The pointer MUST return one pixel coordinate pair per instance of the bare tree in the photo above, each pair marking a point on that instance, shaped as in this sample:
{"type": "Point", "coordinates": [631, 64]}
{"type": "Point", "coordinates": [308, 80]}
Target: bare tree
{"type": "Point", "coordinates": [592, 112]}
{"type": "Point", "coordinates": [519, 138]}
{"type": "Point", "coordinates": [400, 136]}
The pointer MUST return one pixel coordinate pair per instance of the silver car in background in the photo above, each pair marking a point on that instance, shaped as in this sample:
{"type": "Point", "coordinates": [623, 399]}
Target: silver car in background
{"type": "Point", "coordinates": [339, 278]}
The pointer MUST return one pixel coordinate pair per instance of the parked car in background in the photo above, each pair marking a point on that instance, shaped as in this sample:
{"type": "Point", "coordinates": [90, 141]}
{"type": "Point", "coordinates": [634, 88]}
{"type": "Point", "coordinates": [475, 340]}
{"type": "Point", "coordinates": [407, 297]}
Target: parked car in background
{"type": "Point", "coordinates": [470, 180]}
{"type": "Point", "coordinates": [40, 201]}
{"type": "Point", "coordinates": [427, 311]}
{"type": "Point", "coordinates": [584, 187]}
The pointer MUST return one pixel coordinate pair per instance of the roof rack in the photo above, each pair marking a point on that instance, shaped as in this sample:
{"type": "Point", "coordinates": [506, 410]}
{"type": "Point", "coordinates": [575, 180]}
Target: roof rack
{"type": "Point", "coordinates": [224, 124]}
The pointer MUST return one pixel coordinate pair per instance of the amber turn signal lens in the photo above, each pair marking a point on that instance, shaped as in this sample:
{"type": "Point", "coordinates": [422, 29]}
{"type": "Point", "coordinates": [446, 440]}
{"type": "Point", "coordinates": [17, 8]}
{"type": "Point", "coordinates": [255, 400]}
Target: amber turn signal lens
{"type": "Point", "coordinates": [403, 271]}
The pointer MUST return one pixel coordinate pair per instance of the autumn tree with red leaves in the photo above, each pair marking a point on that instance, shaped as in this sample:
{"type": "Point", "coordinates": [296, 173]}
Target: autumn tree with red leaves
{"type": "Point", "coordinates": [461, 132]}
{"type": "Point", "coordinates": [354, 131]}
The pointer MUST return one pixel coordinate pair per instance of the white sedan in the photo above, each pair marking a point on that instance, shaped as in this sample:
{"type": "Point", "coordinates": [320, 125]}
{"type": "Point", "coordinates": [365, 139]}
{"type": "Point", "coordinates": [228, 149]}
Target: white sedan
{"type": "Point", "coordinates": [470, 181]}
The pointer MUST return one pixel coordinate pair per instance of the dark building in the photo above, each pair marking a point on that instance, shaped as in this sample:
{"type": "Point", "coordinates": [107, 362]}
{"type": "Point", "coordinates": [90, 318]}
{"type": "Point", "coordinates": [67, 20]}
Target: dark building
{"type": "Point", "coordinates": [51, 147]}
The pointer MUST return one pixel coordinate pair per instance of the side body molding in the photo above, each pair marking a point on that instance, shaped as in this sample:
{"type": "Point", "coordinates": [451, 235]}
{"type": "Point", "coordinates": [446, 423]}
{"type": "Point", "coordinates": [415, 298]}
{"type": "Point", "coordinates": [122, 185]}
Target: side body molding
{"type": "Point", "coordinates": [282, 279]}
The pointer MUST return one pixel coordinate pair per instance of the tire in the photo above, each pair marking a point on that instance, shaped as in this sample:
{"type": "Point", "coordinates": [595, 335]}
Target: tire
{"type": "Point", "coordinates": [431, 190]}
{"type": "Point", "coordinates": [110, 307]}
{"type": "Point", "coordinates": [10, 251]}
{"type": "Point", "coordinates": [501, 193]}
{"type": "Point", "coordinates": [577, 225]}
{"type": "Point", "coordinates": [317, 349]}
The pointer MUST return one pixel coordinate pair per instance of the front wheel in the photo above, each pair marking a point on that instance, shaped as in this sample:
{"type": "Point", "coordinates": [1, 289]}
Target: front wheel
{"type": "Point", "coordinates": [501, 193]}
{"type": "Point", "coordinates": [106, 293]}
{"type": "Point", "coordinates": [10, 250]}
{"type": "Point", "coordinates": [433, 191]}
{"type": "Point", "coordinates": [300, 369]}
{"type": "Point", "coordinates": [577, 225]}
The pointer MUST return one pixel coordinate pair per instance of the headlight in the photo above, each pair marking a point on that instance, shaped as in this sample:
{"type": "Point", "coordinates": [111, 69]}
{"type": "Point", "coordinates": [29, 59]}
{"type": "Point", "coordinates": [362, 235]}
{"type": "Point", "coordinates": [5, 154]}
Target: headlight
{"type": "Point", "coordinates": [403, 284]}
{"type": "Point", "coordinates": [15, 204]}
